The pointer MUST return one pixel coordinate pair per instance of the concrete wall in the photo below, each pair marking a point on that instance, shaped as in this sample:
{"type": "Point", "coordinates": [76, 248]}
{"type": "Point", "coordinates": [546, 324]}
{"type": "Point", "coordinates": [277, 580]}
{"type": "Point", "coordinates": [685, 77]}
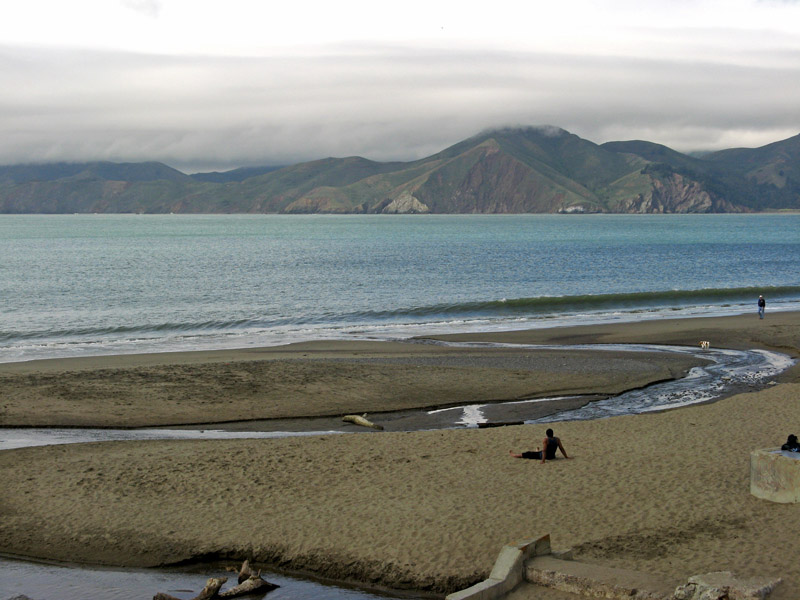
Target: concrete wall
{"type": "Point", "coordinates": [508, 571]}
{"type": "Point", "coordinates": [775, 475]}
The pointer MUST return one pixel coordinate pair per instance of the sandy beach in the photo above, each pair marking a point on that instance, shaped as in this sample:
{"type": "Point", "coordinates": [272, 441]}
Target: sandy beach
{"type": "Point", "coordinates": [666, 493]}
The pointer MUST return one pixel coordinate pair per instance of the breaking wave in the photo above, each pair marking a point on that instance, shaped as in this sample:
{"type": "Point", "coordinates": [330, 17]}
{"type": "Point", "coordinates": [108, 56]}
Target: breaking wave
{"type": "Point", "coordinates": [514, 308]}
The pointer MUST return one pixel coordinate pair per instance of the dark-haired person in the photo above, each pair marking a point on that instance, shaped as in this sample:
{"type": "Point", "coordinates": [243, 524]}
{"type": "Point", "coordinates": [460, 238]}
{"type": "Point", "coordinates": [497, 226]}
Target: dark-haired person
{"type": "Point", "coordinates": [791, 444]}
{"type": "Point", "coordinates": [550, 444]}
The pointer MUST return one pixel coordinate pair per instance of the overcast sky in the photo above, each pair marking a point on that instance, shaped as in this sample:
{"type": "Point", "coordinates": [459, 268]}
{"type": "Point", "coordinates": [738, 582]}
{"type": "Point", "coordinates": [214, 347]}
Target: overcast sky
{"type": "Point", "coordinates": [212, 85]}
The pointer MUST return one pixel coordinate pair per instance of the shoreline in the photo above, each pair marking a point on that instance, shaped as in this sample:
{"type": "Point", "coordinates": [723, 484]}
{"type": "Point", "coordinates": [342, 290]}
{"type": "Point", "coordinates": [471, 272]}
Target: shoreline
{"type": "Point", "coordinates": [426, 510]}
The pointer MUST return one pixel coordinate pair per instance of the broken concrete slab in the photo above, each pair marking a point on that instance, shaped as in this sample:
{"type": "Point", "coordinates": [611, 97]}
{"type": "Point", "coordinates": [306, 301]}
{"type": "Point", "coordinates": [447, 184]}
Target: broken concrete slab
{"type": "Point", "coordinates": [775, 475]}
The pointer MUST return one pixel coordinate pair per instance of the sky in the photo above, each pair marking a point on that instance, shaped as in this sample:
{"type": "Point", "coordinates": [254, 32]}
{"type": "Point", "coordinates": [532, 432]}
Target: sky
{"type": "Point", "coordinates": [206, 85]}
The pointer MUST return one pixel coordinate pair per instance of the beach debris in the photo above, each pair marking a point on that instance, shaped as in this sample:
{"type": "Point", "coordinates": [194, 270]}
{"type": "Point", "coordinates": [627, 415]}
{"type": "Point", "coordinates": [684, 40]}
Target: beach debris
{"type": "Point", "coordinates": [361, 420]}
{"type": "Point", "coordinates": [252, 584]}
{"type": "Point", "coordinates": [499, 424]}
{"type": "Point", "coordinates": [249, 582]}
{"type": "Point", "coordinates": [705, 345]}
{"type": "Point", "coordinates": [210, 591]}
{"type": "Point", "coordinates": [243, 573]}
{"type": "Point", "coordinates": [722, 585]}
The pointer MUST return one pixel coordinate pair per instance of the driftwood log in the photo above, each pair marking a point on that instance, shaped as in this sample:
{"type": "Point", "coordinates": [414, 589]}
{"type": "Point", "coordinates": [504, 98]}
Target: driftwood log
{"type": "Point", "coordinates": [244, 573]}
{"type": "Point", "coordinates": [499, 424]}
{"type": "Point", "coordinates": [254, 583]}
{"type": "Point", "coordinates": [210, 591]}
{"type": "Point", "coordinates": [248, 583]}
{"type": "Point", "coordinates": [361, 420]}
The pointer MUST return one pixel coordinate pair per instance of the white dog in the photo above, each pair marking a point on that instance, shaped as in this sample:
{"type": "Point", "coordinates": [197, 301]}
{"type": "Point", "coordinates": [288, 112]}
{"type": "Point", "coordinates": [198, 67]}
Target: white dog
{"type": "Point", "coordinates": [705, 345]}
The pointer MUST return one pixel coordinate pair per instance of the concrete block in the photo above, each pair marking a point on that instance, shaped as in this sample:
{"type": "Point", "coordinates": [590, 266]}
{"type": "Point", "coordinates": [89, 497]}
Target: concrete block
{"type": "Point", "coordinates": [508, 565]}
{"type": "Point", "coordinates": [540, 547]}
{"type": "Point", "coordinates": [723, 584]}
{"type": "Point", "coordinates": [597, 581]}
{"type": "Point", "coordinates": [488, 589]}
{"type": "Point", "coordinates": [508, 571]}
{"type": "Point", "coordinates": [775, 475]}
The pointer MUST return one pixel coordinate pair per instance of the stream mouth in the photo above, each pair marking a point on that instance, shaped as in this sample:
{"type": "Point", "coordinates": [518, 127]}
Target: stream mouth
{"type": "Point", "coordinates": [726, 372]}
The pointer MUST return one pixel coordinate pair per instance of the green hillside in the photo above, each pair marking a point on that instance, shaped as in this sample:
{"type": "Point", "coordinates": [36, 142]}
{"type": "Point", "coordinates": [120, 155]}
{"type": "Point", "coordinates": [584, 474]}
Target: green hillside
{"type": "Point", "coordinates": [521, 170]}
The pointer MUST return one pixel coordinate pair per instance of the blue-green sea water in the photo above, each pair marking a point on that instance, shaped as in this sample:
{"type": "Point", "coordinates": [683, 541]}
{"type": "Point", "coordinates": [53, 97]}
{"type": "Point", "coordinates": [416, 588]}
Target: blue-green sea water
{"type": "Point", "coordinates": [75, 285]}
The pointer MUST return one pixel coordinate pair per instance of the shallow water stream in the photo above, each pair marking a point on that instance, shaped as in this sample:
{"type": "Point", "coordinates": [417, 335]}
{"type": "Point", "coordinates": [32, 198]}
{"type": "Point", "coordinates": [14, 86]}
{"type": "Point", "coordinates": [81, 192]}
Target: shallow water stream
{"type": "Point", "coordinates": [43, 581]}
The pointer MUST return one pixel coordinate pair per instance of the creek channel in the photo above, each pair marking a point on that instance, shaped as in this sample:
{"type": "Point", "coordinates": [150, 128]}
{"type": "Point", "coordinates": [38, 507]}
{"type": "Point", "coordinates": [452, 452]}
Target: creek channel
{"type": "Point", "coordinates": [727, 372]}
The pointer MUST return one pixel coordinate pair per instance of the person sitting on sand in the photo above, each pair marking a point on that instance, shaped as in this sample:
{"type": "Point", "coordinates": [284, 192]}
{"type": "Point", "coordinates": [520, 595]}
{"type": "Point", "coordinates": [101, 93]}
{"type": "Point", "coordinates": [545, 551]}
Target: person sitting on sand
{"type": "Point", "coordinates": [791, 444]}
{"type": "Point", "coordinates": [551, 443]}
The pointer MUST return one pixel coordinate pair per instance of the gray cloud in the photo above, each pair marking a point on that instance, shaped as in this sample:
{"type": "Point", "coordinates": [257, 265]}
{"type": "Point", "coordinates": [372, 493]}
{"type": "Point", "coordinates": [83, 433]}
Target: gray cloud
{"type": "Point", "coordinates": [384, 103]}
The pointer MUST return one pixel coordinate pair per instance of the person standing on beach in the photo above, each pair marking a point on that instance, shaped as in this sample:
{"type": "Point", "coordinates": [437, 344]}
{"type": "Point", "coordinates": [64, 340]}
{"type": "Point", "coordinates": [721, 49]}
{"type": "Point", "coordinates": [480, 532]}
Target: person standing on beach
{"type": "Point", "coordinates": [762, 304]}
{"type": "Point", "coordinates": [551, 443]}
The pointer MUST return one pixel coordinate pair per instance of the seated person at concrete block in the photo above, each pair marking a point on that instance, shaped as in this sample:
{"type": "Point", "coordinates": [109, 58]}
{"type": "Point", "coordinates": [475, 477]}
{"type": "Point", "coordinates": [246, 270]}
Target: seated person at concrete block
{"type": "Point", "coordinates": [791, 444]}
{"type": "Point", "coordinates": [551, 443]}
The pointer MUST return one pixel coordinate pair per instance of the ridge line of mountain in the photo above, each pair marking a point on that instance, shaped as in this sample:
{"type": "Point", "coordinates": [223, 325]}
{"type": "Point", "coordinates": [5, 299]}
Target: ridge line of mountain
{"type": "Point", "coordinates": [510, 170]}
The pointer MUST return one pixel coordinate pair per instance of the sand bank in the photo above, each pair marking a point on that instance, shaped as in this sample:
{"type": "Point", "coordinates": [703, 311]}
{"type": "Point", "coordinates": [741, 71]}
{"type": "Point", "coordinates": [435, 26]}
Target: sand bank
{"type": "Point", "coordinates": [666, 492]}
{"type": "Point", "coordinates": [308, 380]}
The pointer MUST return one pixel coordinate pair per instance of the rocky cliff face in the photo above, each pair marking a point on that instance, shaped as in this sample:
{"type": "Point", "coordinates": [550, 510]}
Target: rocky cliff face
{"type": "Point", "coordinates": [405, 204]}
{"type": "Point", "coordinates": [674, 194]}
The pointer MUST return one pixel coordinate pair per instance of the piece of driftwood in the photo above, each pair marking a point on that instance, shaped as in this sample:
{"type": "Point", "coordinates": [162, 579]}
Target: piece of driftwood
{"type": "Point", "coordinates": [244, 573]}
{"type": "Point", "coordinates": [254, 583]}
{"type": "Point", "coordinates": [361, 420]}
{"type": "Point", "coordinates": [210, 591]}
{"type": "Point", "coordinates": [249, 582]}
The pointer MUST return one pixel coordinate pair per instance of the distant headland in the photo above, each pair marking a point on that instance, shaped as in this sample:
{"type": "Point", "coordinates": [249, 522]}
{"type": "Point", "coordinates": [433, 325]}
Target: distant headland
{"type": "Point", "coordinates": [519, 170]}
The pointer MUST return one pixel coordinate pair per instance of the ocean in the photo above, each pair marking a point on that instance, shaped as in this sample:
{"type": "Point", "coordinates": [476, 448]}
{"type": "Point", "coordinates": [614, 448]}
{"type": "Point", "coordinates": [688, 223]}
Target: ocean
{"type": "Point", "coordinates": [77, 285]}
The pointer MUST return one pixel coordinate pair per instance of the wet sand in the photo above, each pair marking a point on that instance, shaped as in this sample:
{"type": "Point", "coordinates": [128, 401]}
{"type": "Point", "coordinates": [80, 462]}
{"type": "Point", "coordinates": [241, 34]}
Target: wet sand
{"type": "Point", "coordinates": [665, 492]}
{"type": "Point", "coordinates": [299, 381]}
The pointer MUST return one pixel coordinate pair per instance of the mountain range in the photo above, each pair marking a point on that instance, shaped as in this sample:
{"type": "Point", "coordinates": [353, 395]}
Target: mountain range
{"type": "Point", "coordinates": [519, 170]}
